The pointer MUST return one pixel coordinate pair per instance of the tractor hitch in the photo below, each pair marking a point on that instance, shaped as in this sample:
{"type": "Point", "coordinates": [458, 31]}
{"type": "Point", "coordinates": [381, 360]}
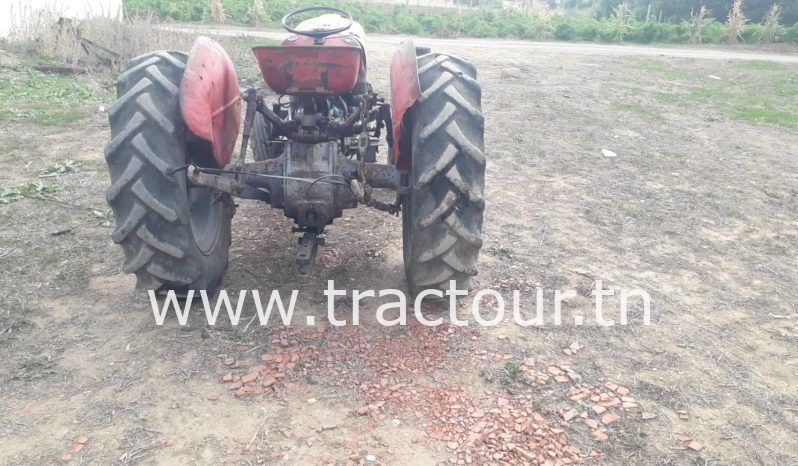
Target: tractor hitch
{"type": "Point", "coordinates": [306, 253]}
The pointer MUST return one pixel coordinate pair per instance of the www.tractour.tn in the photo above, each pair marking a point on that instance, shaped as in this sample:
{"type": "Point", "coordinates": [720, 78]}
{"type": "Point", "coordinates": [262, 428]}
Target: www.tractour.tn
{"type": "Point", "coordinates": [395, 312]}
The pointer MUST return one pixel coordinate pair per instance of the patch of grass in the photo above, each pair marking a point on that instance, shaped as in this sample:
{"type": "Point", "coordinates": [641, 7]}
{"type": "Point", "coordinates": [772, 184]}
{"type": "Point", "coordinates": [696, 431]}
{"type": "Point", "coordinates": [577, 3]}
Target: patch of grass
{"type": "Point", "coordinates": [764, 94]}
{"type": "Point", "coordinates": [641, 110]}
{"type": "Point", "coordinates": [36, 189]}
{"type": "Point", "coordinates": [44, 99]}
{"type": "Point", "coordinates": [772, 102]}
{"type": "Point", "coordinates": [759, 65]}
{"type": "Point", "coordinates": [786, 87]}
{"type": "Point", "coordinates": [669, 97]}
{"type": "Point", "coordinates": [766, 114]}
{"type": "Point", "coordinates": [64, 166]}
{"type": "Point", "coordinates": [234, 336]}
{"type": "Point", "coordinates": [511, 377]}
{"type": "Point", "coordinates": [709, 93]}
{"type": "Point", "coordinates": [11, 142]}
{"type": "Point", "coordinates": [57, 118]}
{"type": "Point", "coordinates": [665, 69]}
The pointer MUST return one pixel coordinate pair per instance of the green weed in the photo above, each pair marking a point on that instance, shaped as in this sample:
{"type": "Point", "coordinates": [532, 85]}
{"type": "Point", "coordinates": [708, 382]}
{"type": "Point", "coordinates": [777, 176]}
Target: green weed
{"type": "Point", "coordinates": [64, 166]}
{"type": "Point", "coordinates": [42, 99]}
{"type": "Point", "coordinates": [641, 110]}
{"type": "Point", "coordinates": [35, 189]}
{"type": "Point", "coordinates": [102, 218]}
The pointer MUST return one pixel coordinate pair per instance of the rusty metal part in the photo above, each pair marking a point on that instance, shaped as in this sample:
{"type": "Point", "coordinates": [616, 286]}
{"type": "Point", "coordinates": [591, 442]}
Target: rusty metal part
{"type": "Point", "coordinates": [249, 120]}
{"type": "Point", "coordinates": [281, 125]}
{"type": "Point", "coordinates": [392, 209]}
{"type": "Point", "coordinates": [224, 184]}
{"type": "Point", "coordinates": [199, 176]}
{"type": "Point", "coordinates": [316, 204]}
{"type": "Point", "coordinates": [369, 201]}
{"type": "Point", "coordinates": [358, 190]}
{"type": "Point", "coordinates": [364, 192]}
{"type": "Point", "coordinates": [376, 175]}
{"type": "Point", "coordinates": [306, 253]}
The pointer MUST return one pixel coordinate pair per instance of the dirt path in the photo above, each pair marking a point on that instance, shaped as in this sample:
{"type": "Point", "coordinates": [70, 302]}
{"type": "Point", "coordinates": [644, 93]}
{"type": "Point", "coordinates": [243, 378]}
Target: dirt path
{"type": "Point", "coordinates": [698, 207]}
{"type": "Point", "coordinates": [546, 48]}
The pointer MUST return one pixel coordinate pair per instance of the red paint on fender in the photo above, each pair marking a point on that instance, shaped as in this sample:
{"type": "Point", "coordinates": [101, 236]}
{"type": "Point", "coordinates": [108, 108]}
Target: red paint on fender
{"type": "Point", "coordinates": [325, 69]}
{"type": "Point", "coordinates": [405, 91]}
{"type": "Point", "coordinates": [210, 99]}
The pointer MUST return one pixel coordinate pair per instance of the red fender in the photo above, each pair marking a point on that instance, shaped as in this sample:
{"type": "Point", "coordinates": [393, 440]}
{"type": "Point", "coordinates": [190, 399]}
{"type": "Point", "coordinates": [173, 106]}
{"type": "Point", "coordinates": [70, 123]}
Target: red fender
{"type": "Point", "coordinates": [299, 65]}
{"type": "Point", "coordinates": [210, 99]}
{"type": "Point", "coordinates": [405, 91]}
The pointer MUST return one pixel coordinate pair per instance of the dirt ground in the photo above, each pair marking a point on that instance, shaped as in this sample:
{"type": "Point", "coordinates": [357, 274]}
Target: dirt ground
{"type": "Point", "coordinates": [699, 207]}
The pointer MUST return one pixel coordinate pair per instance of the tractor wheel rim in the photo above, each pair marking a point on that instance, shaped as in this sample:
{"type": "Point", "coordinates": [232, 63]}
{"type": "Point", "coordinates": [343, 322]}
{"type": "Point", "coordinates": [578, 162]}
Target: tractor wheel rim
{"type": "Point", "coordinates": [206, 218]}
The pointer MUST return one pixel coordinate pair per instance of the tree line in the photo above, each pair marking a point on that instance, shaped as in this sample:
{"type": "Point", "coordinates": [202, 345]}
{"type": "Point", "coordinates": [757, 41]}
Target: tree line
{"type": "Point", "coordinates": [675, 11]}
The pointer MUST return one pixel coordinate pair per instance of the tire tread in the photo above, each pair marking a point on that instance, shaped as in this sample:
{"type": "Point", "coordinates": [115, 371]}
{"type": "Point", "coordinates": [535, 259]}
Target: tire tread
{"type": "Point", "coordinates": [444, 220]}
{"type": "Point", "coordinates": [152, 208]}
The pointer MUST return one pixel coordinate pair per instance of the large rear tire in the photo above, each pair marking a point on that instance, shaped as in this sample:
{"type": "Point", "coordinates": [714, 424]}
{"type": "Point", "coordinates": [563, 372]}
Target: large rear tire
{"type": "Point", "coordinates": [175, 237]}
{"type": "Point", "coordinates": [442, 214]}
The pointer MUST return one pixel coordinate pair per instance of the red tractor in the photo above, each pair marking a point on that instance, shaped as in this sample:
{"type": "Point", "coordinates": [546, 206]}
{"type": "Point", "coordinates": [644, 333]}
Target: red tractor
{"type": "Point", "coordinates": [174, 173]}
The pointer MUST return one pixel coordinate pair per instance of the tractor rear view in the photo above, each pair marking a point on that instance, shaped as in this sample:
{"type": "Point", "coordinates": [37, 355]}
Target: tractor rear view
{"type": "Point", "coordinates": [175, 169]}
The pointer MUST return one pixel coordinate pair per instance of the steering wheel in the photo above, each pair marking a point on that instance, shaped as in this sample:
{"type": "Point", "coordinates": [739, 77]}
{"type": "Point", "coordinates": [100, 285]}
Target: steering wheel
{"type": "Point", "coordinates": [318, 34]}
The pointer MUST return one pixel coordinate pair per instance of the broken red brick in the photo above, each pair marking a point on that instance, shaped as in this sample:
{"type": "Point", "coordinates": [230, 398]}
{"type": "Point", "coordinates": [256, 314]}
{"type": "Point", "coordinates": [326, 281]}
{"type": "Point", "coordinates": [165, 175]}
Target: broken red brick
{"type": "Point", "coordinates": [598, 409]}
{"type": "Point", "coordinates": [695, 445]}
{"type": "Point", "coordinates": [249, 378]}
{"type": "Point", "coordinates": [268, 381]}
{"type": "Point", "coordinates": [529, 362]}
